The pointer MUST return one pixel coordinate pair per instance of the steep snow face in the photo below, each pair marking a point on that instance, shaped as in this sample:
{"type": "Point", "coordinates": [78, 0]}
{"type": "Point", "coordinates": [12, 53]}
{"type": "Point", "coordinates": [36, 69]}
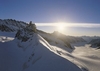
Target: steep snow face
{"type": "Point", "coordinates": [10, 25]}
{"type": "Point", "coordinates": [30, 52]}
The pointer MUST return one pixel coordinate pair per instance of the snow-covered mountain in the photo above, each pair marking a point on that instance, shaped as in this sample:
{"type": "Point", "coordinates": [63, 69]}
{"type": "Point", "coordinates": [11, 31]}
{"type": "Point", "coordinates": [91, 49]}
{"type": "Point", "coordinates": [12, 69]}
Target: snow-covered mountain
{"type": "Point", "coordinates": [24, 48]}
{"type": "Point", "coordinates": [10, 25]}
{"type": "Point", "coordinates": [28, 51]}
{"type": "Point", "coordinates": [90, 38]}
{"type": "Point", "coordinates": [60, 39]}
{"type": "Point", "coordinates": [95, 43]}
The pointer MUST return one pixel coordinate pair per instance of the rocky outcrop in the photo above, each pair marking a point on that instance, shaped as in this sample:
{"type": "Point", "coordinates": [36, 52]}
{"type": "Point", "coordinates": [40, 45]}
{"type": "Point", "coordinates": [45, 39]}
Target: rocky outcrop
{"type": "Point", "coordinates": [31, 27]}
{"type": "Point", "coordinates": [25, 33]}
{"type": "Point", "coordinates": [5, 28]}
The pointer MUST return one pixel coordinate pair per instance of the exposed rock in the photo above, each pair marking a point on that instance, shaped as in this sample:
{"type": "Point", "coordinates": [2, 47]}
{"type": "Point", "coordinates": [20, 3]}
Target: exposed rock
{"type": "Point", "coordinates": [26, 33]}
{"type": "Point", "coordinates": [5, 28]}
{"type": "Point", "coordinates": [22, 35]}
{"type": "Point", "coordinates": [95, 43]}
{"type": "Point", "coordinates": [31, 27]}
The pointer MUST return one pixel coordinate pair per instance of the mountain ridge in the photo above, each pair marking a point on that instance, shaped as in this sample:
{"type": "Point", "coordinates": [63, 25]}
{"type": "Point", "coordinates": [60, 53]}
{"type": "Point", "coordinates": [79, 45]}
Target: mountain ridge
{"type": "Point", "coordinates": [32, 54]}
{"type": "Point", "coordinates": [10, 25]}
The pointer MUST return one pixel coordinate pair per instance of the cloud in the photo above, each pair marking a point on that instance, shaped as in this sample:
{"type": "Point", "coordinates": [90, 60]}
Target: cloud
{"type": "Point", "coordinates": [85, 25]}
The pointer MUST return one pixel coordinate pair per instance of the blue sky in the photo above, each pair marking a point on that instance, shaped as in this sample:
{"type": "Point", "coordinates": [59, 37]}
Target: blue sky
{"type": "Point", "coordinates": [51, 11]}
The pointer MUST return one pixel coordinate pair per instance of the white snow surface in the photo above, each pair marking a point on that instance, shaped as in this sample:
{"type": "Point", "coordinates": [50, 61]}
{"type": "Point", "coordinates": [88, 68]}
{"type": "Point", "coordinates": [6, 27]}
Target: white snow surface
{"type": "Point", "coordinates": [36, 54]}
{"type": "Point", "coordinates": [6, 36]}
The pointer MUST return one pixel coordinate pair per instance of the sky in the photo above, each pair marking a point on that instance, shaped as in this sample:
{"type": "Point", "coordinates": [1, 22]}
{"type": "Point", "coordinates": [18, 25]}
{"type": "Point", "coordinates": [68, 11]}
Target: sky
{"type": "Point", "coordinates": [55, 11]}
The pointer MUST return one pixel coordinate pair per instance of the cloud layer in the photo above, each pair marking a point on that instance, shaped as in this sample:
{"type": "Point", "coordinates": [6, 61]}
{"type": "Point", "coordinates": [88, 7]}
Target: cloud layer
{"type": "Point", "coordinates": [85, 25]}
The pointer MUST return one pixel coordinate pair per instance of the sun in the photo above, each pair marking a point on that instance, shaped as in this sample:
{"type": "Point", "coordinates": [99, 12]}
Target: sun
{"type": "Point", "coordinates": [60, 27]}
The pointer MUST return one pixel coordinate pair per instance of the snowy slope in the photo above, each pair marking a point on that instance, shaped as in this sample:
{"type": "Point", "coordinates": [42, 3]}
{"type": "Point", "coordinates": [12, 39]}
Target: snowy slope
{"type": "Point", "coordinates": [31, 54]}
{"type": "Point", "coordinates": [6, 36]}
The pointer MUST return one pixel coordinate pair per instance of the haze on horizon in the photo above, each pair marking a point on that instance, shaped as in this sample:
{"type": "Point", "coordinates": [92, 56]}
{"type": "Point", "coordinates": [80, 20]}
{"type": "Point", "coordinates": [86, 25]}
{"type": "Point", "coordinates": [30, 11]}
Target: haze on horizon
{"type": "Point", "coordinates": [71, 29]}
{"type": "Point", "coordinates": [45, 13]}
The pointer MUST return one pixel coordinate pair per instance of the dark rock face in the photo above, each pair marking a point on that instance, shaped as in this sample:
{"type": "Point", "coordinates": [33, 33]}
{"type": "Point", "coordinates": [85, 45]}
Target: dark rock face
{"type": "Point", "coordinates": [31, 27]}
{"type": "Point", "coordinates": [26, 33]}
{"type": "Point", "coordinates": [22, 35]}
{"type": "Point", "coordinates": [5, 28]}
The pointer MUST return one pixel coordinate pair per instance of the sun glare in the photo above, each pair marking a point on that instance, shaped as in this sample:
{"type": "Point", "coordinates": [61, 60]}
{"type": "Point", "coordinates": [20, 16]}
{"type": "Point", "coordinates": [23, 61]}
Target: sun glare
{"type": "Point", "coordinates": [60, 27]}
